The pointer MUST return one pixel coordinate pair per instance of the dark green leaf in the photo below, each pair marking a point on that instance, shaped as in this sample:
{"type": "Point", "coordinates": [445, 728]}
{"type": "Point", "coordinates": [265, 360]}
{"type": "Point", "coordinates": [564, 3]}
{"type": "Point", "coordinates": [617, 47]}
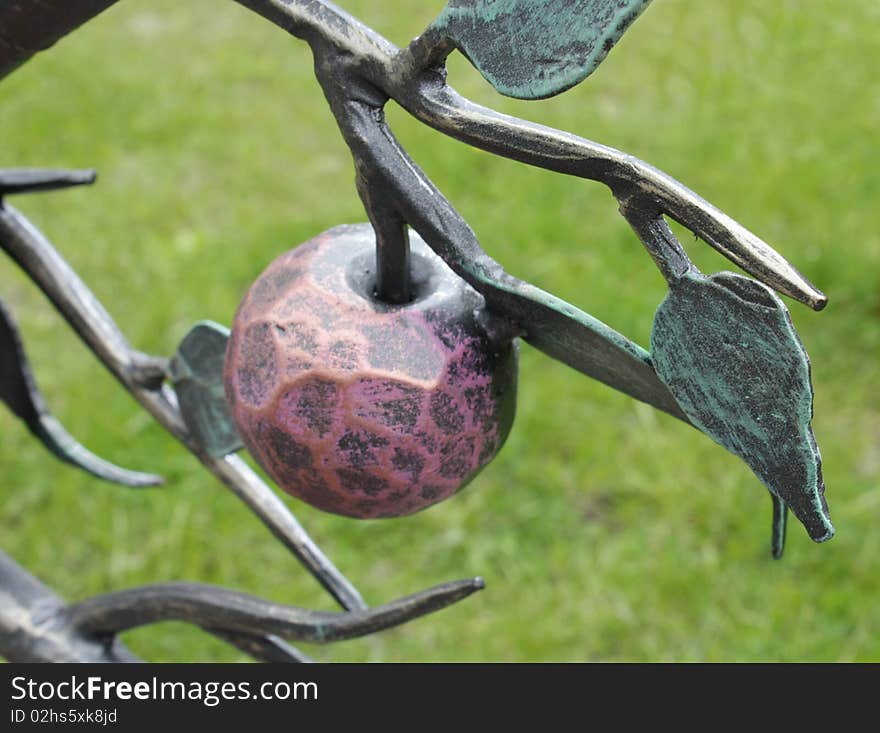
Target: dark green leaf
{"type": "Point", "coordinates": [727, 349]}
{"type": "Point", "coordinates": [197, 374]}
{"type": "Point", "coordinates": [533, 49]}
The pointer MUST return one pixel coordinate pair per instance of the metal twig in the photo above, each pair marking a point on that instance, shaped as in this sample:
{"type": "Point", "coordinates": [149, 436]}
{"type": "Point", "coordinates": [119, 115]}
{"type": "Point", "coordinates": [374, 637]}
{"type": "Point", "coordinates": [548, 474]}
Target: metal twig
{"type": "Point", "coordinates": [220, 608]}
{"type": "Point", "coordinates": [656, 236]}
{"type": "Point", "coordinates": [29, 180]}
{"type": "Point", "coordinates": [31, 627]}
{"type": "Point", "coordinates": [442, 108]}
{"type": "Point", "coordinates": [18, 389]}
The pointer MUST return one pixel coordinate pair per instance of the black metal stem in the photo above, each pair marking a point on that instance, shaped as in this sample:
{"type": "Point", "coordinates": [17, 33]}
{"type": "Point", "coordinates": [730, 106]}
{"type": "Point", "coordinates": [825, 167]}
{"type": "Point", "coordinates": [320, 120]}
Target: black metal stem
{"type": "Point", "coordinates": [32, 628]}
{"type": "Point", "coordinates": [392, 246]}
{"type": "Point", "coordinates": [657, 237]}
{"type": "Point", "coordinates": [220, 608]}
{"type": "Point", "coordinates": [392, 258]}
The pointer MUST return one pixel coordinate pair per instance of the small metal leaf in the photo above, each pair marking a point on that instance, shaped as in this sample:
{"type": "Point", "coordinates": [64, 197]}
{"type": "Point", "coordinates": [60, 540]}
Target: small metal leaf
{"type": "Point", "coordinates": [20, 393]}
{"type": "Point", "coordinates": [197, 373]}
{"type": "Point", "coordinates": [532, 49]}
{"type": "Point", "coordinates": [727, 348]}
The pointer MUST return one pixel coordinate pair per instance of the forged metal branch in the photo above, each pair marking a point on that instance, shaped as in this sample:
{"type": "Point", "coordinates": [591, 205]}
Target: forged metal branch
{"type": "Point", "coordinates": [29, 26]}
{"type": "Point", "coordinates": [138, 374]}
{"type": "Point", "coordinates": [445, 110]}
{"type": "Point", "coordinates": [33, 630]}
{"type": "Point", "coordinates": [28, 180]}
{"type": "Point", "coordinates": [412, 78]}
{"type": "Point", "coordinates": [219, 608]}
{"type": "Point", "coordinates": [18, 389]}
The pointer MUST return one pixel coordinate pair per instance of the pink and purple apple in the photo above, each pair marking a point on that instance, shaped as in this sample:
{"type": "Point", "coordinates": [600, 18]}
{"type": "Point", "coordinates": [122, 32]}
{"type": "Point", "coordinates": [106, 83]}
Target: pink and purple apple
{"type": "Point", "coordinates": [359, 407]}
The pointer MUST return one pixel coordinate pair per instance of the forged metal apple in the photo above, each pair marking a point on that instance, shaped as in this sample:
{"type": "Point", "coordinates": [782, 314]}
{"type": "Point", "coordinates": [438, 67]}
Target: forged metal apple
{"type": "Point", "coordinates": [359, 407]}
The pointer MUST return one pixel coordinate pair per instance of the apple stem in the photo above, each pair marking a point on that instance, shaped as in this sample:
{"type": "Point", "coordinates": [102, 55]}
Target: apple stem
{"type": "Point", "coordinates": [392, 259]}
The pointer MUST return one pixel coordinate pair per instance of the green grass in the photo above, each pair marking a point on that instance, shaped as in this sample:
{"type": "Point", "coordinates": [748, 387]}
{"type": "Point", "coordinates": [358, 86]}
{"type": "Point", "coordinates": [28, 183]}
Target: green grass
{"type": "Point", "coordinates": [604, 530]}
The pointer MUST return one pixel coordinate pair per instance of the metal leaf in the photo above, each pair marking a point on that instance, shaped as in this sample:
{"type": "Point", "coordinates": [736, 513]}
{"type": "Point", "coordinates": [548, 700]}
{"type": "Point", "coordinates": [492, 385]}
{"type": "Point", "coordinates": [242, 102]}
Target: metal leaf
{"type": "Point", "coordinates": [197, 373]}
{"type": "Point", "coordinates": [727, 348]}
{"type": "Point", "coordinates": [532, 49]}
{"type": "Point", "coordinates": [19, 391]}
{"type": "Point", "coordinates": [579, 340]}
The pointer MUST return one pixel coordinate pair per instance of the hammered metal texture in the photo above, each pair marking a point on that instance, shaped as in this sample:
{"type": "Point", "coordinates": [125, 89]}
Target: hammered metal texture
{"type": "Point", "coordinates": [357, 407]}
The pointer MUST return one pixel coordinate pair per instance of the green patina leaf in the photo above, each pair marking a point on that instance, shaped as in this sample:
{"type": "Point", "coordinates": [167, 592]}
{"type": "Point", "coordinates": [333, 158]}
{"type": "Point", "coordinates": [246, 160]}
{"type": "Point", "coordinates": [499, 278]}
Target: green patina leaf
{"type": "Point", "coordinates": [726, 347]}
{"type": "Point", "coordinates": [197, 373]}
{"type": "Point", "coordinates": [532, 49]}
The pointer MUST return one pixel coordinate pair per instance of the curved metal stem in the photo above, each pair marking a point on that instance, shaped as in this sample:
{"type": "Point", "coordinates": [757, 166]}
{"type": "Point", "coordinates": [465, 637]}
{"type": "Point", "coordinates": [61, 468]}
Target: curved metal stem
{"type": "Point", "coordinates": [442, 108]}
{"type": "Point", "coordinates": [219, 608]}
{"type": "Point", "coordinates": [31, 629]}
{"type": "Point", "coordinates": [18, 389]}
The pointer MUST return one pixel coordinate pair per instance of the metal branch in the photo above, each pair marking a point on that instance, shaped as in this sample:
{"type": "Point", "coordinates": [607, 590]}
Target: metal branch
{"type": "Point", "coordinates": [18, 389]}
{"type": "Point", "coordinates": [439, 106]}
{"type": "Point", "coordinates": [31, 627]}
{"type": "Point", "coordinates": [28, 180]}
{"type": "Point", "coordinates": [413, 80]}
{"type": "Point", "coordinates": [137, 373]}
{"type": "Point", "coordinates": [656, 236]}
{"type": "Point", "coordinates": [219, 608]}
{"type": "Point", "coordinates": [29, 26]}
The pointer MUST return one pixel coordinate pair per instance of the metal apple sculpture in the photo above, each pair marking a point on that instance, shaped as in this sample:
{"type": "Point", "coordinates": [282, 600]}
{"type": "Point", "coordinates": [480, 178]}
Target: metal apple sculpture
{"type": "Point", "coordinates": [367, 465]}
{"type": "Point", "coordinates": [372, 370]}
{"type": "Point", "coordinates": [358, 406]}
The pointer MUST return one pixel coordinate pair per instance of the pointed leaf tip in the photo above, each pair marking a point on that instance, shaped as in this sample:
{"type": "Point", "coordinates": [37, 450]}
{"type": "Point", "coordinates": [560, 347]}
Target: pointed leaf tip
{"type": "Point", "coordinates": [727, 349]}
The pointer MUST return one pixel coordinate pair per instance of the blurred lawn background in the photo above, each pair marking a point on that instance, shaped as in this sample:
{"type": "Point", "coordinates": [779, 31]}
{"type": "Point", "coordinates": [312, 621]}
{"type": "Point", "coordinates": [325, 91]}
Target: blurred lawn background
{"type": "Point", "coordinates": [604, 530]}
